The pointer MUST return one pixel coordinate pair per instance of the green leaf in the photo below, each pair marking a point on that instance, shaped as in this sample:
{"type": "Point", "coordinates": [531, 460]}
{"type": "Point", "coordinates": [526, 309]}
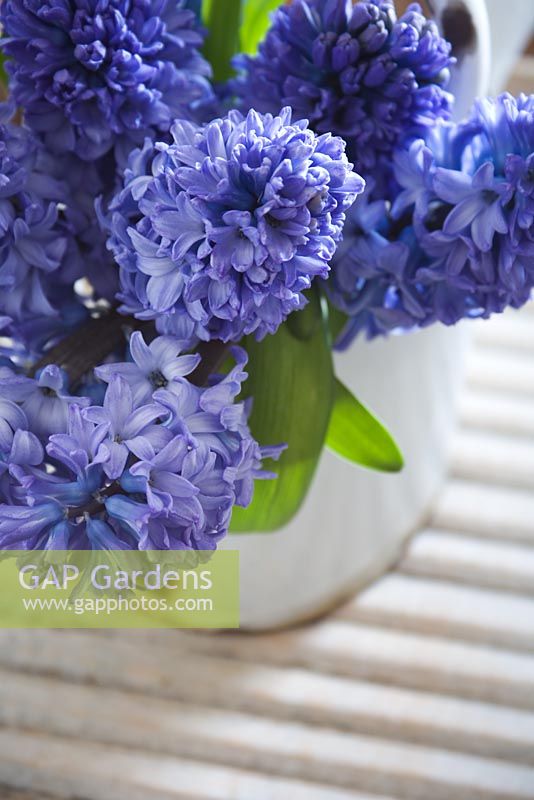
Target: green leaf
{"type": "Point", "coordinates": [291, 381]}
{"type": "Point", "coordinates": [355, 434]}
{"type": "Point", "coordinates": [223, 20]}
{"type": "Point", "coordinates": [256, 23]}
{"type": "Point", "coordinates": [206, 10]}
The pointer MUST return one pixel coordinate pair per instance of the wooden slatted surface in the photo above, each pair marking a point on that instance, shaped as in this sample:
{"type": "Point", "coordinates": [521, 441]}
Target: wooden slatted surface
{"type": "Point", "coordinates": [421, 688]}
{"type": "Point", "coordinates": [94, 771]}
{"type": "Point", "coordinates": [467, 559]}
{"type": "Point", "coordinates": [486, 510]}
{"type": "Point", "coordinates": [8, 793]}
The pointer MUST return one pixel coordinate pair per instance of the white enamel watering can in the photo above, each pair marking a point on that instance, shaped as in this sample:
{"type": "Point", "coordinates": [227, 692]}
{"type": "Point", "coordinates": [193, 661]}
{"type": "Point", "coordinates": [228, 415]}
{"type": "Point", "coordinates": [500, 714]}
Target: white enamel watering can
{"type": "Point", "coordinates": [354, 523]}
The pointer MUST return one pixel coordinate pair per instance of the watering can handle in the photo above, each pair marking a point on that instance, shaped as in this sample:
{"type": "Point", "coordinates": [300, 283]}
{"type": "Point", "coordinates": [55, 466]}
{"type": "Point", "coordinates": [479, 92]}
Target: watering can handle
{"type": "Point", "coordinates": [465, 24]}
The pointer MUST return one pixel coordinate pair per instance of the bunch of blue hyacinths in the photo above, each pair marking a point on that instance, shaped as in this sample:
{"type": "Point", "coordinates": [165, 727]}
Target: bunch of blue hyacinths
{"type": "Point", "coordinates": [184, 240]}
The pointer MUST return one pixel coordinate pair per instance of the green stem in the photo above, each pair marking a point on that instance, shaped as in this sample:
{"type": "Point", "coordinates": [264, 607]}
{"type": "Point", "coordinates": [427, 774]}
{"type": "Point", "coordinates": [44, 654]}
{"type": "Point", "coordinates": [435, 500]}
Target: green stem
{"type": "Point", "coordinates": [223, 20]}
{"type": "Point", "coordinates": [89, 345]}
{"type": "Point", "coordinates": [212, 354]}
{"type": "Point", "coordinates": [92, 342]}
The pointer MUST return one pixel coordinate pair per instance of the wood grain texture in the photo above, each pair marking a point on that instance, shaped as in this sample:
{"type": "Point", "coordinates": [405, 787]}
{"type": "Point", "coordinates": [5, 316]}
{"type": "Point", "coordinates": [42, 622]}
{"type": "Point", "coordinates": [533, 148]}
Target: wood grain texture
{"type": "Point", "coordinates": [498, 412]}
{"type": "Point", "coordinates": [346, 705]}
{"type": "Point", "coordinates": [495, 459]}
{"type": "Point", "coordinates": [506, 370]}
{"type": "Point", "coordinates": [471, 613]}
{"type": "Point", "coordinates": [495, 512]}
{"type": "Point", "coordinates": [469, 560]}
{"type": "Point", "coordinates": [7, 793]}
{"type": "Point", "coordinates": [70, 769]}
{"type": "Point", "coordinates": [377, 654]}
{"type": "Point", "coordinates": [282, 749]}
{"type": "Point", "coordinates": [510, 332]}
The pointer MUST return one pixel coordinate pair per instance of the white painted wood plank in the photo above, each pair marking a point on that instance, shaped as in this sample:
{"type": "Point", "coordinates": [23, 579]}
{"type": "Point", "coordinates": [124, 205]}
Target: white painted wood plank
{"type": "Point", "coordinates": [497, 412]}
{"type": "Point", "coordinates": [485, 510]}
{"type": "Point", "coordinates": [493, 369]}
{"type": "Point", "coordinates": [284, 749]}
{"type": "Point", "coordinates": [456, 557]}
{"type": "Point", "coordinates": [288, 693]}
{"type": "Point", "coordinates": [68, 768]}
{"type": "Point", "coordinates": [412, 603]}
{"type": "Point", "coordinates": [492, 458]}
{"type": "Point", "coordinates": [513, 331]}
{"type": "Point", "coordinates": [380, 655]}
{"type": "Point", "coordinates": [14, 794]}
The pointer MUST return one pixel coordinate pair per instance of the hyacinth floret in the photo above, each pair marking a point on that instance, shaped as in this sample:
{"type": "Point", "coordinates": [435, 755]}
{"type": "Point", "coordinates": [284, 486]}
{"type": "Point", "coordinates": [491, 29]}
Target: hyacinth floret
{"type": "Point", "coordinates": [153, 366]}
{"type": "Point", "coordinates": [44, 399]}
